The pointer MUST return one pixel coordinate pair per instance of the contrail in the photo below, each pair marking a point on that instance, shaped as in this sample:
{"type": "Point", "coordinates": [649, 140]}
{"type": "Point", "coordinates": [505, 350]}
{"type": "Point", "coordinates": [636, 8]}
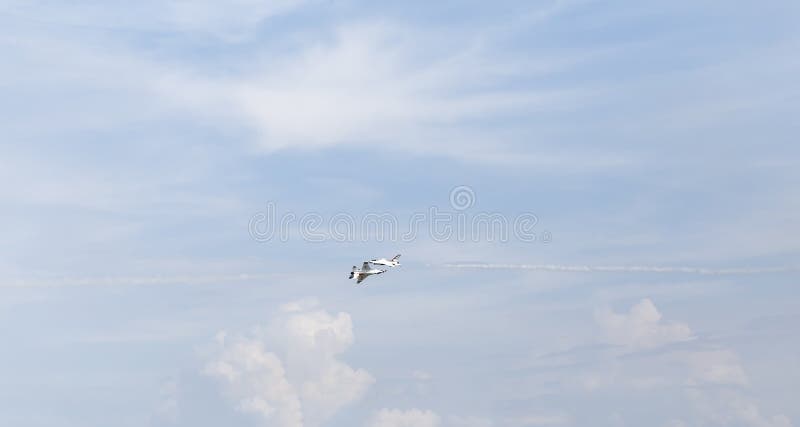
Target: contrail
{"type": "Point", "coordinates": [623, 269]}
{"type": "Point", "coordinates": [246, 277]}
{"type": "Point", "coordinates": [133, 281]}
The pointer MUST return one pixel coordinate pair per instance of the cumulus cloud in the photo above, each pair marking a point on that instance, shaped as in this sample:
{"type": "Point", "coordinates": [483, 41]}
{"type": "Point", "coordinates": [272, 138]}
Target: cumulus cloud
{"type": "Point", "coordinates": [720, 367]}
{"type": "Point", "coordinates": [728, 407]}
{"type": "Point", "coordinates": [288, 373]}
{"type": "Point", "coordinates": [256, 381]}
{"type": "Point", "coordinates": [400, 418]}
{"type": "Point", "coordinates": [642, 327]}
{"type": "Point", "coordinates": [714, 379]}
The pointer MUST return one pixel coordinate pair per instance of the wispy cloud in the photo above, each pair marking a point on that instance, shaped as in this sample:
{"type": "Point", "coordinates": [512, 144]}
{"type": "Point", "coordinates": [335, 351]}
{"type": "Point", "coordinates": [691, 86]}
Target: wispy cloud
{"type": "Point", "coordinates": [355, 84]}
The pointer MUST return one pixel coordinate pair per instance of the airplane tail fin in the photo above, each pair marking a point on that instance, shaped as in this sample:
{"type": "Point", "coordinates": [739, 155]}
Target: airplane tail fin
{"type": "Point", "coordinates": [396, 257]}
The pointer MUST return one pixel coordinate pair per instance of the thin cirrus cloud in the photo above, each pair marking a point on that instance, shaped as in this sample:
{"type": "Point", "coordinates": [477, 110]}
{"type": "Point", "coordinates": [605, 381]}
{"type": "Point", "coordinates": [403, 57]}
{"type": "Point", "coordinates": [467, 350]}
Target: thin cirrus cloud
{"type": "Point", "coordinates": [351, 88]}
{"type": "Point", "coordinates": [363, 83]}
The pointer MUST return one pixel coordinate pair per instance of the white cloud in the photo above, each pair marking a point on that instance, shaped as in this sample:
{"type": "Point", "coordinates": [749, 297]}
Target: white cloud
{"type": "Point", "coordinates": [400, 418]}
{"type": "Point", "coordinates": [299, 383]}
{"type": "Point", "coordinates": [728, 407]}
{"type": "Point", "coordinates": [714, 379]}
{"type": "Point", "coordinates": [367, 79]}
{"type": "Point", "coordinates": [715, 367]}
{"type": "Point", "coordinates": [375, 84]}
{"type": "Point", "coordinates": [365, 85]}
{"type": "Point", "coordinates": [421, 375]}
{"type": "Point", "coordinates": [256, 381]}
{"type": "Point", "coordinates": [641, 327]}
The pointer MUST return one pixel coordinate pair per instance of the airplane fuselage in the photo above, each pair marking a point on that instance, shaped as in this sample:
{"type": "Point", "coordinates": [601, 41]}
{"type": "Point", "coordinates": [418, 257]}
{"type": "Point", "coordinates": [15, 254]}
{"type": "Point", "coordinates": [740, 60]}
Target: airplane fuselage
{"type": "Point", "coordinates": [361, 274]}
{"type": "Point", "coordinates": [386, 262]}
{"type": "Point", "coordinates": [366, 269]}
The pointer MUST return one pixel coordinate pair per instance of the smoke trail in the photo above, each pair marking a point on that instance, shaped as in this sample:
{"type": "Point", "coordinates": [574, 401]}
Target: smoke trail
{"type": "Point", "coordinates": [134, 281]}
{"type": "Point", "coordinates": [624, 269]}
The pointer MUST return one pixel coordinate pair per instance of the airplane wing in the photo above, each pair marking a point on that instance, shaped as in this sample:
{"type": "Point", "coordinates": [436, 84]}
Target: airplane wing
{"type": "Point", "coordinates": [361, 278]}
{"type": "Point", "coordinates": [365, 266]}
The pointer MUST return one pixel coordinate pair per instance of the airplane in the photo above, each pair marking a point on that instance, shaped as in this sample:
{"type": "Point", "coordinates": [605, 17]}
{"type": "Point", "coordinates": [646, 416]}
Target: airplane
{"type": "Point", "coordinates": [394, 262]}
{"type": "Point", "coordinates": [364, 272]}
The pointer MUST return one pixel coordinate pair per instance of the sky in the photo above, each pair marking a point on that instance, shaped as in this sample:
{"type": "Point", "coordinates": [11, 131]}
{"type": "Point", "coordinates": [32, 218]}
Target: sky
{"type": "Point", "coordinates": [596, 205]}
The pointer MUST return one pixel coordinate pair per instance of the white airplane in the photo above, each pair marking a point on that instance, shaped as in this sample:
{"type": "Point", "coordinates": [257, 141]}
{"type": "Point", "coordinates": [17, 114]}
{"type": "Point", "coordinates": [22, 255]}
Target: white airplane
{"type": "Point", "coordinates": [394, 262]}
{"type": "Point", "coordinates": [364, 272]}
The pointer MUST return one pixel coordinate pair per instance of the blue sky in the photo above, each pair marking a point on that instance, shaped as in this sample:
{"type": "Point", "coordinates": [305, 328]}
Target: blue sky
{"type": "Point", "coordinates": [139, 141]}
